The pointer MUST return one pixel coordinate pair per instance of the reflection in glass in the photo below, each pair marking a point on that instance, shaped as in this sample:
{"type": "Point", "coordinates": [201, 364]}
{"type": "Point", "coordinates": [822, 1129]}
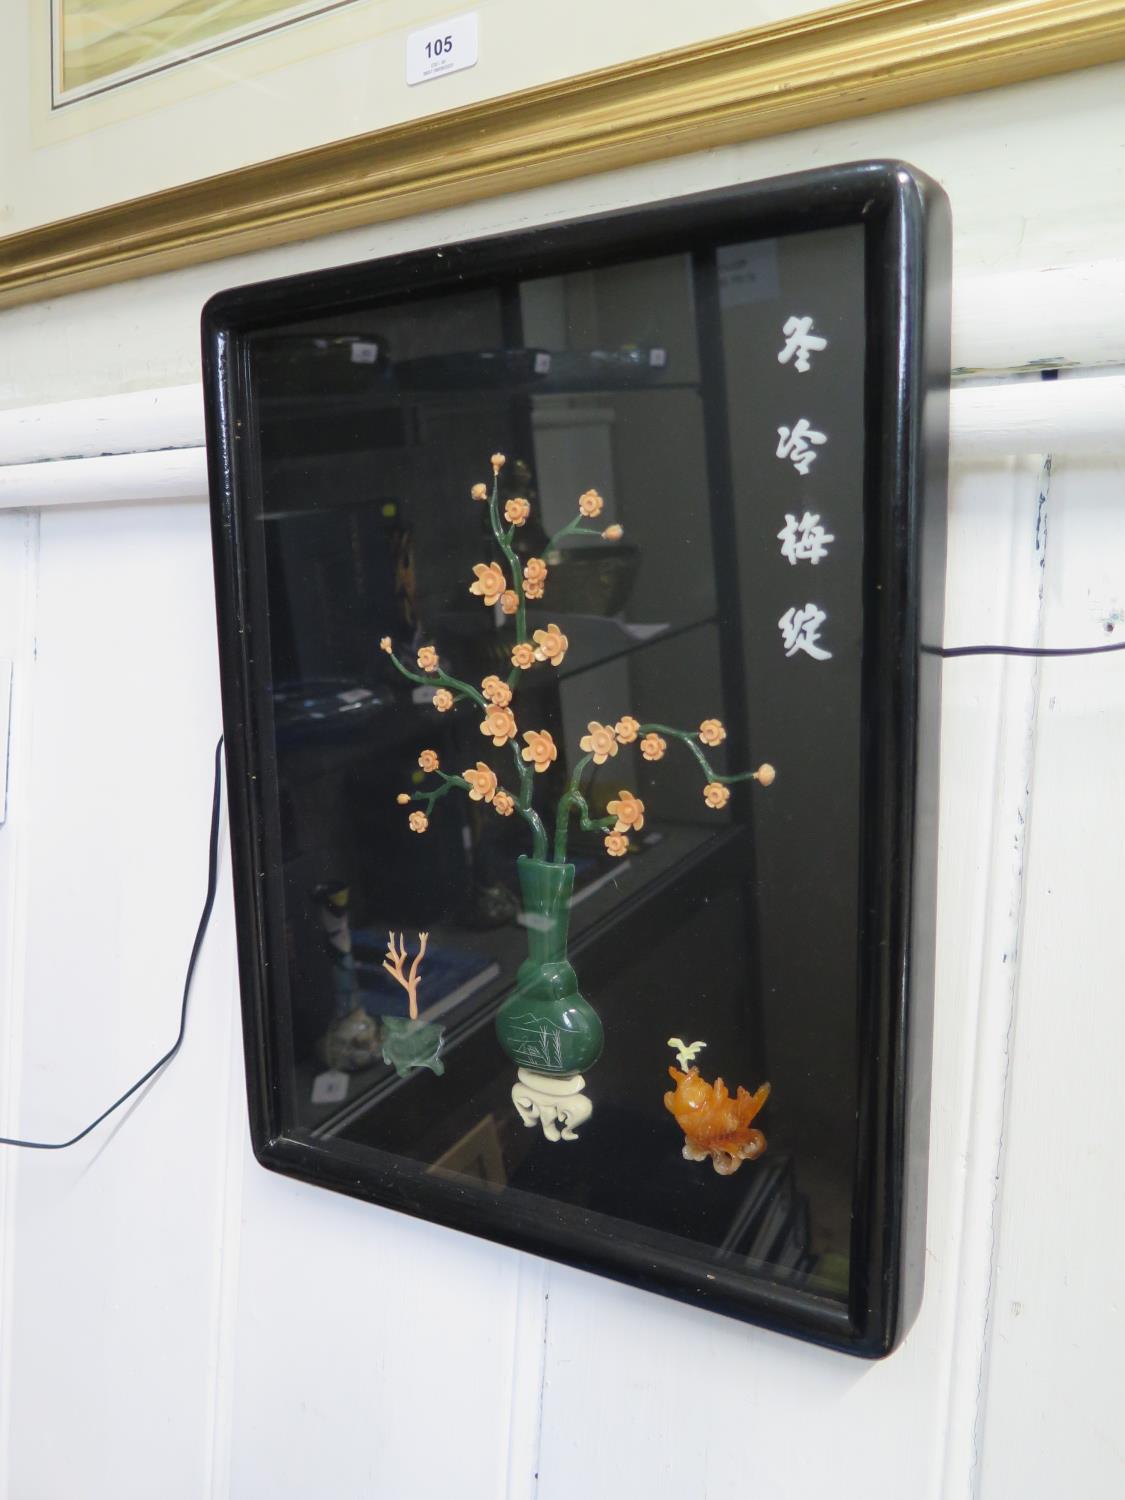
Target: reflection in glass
{"type": "Point", "coordinates": [419, 968]}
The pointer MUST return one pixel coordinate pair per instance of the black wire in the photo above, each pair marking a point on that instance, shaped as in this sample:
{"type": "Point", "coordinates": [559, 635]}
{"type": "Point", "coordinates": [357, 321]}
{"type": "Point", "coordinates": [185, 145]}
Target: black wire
{"type": "Point", "coordinates": [1022, 650]}
{"type": "Point", "coordinates": [205, 917]}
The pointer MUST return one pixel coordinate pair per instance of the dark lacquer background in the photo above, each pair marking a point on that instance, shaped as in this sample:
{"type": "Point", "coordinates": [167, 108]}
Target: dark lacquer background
{"type": "Point", "coordinates": [736, 927]}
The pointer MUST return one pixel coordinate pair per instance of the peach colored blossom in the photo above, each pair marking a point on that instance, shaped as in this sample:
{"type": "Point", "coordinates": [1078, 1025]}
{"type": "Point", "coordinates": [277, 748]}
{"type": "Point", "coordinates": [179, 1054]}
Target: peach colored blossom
{"type": "Point", "coordinates": [765, 775]}
{"type": "Point", "coordinates": [509, 601]}
{"type": "Point", "coordinates": [523, 655]}
{"type": "Point", "coordinates": [490, 583]}
{"type": "Point", "coordinates": [653, 747]}
{"type": "Point", "coordinates": [504, 804]}
{"type": "Point", "coordinates": [443, 700]}
{"type": "Point", "coordinates": [715, 794]}
{"type": "Point", "coordinates": [516, 511]}
{"type": "Point", "coordinates": [385, 644]}
{"type": "Point", "coordinates": [626, 729]}
{"type": "Point", "coordinates": [500, 725]}
{"type": "Point", "coordinates": [541, 748]}
{"type": "Point", "coordinates": [711, 732]}
{"type": "Point", "coordinates": [403, 798]}
{"type": "Point", "coordinates": [479, 492]}
{"type": "Point", "coordinates": [482, 782]}
{"type": "Point", "coordinates": [550, 645]}
{"type": "Point", "coordinates": [497, 691]}
{"type": "Point", "coordinates": [600, 742]}
{"type": "Point", "coordinates": [614, 533]}
{"type": "Point", "coordinates": [498, 461]}
{"type": "Point", "coordinates": [591, 503]}
{"type": "Point", "coordinates": [628, 810]}
{"type": "Point", "coordinates": [428, 760]}
{"type": "Point", "coordinates": [418, 822]}
{"type": "Point", "coordinates": [616, 844]}
{"type": "Point", "coordinates": [533, 590]}
{"type": "Point", "coordinates": [535, 571]}
{"type": "Point", "coordinates": [427, 659]}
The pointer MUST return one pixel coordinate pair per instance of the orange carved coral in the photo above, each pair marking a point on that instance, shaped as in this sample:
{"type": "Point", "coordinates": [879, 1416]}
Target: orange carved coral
{"type": "Point", "coordinates": [715, 1124]}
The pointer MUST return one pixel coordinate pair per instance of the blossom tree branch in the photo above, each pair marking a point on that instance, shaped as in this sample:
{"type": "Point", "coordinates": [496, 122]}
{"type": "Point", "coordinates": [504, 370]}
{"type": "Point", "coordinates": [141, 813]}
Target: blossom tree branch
{"type": "Point", "coordinates": [688, 737]}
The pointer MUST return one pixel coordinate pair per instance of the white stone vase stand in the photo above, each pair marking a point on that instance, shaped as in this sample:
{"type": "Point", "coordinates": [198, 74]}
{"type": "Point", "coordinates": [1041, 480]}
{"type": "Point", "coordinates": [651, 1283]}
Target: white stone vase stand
{"type": "Point", "coordinates": [558, 1104]}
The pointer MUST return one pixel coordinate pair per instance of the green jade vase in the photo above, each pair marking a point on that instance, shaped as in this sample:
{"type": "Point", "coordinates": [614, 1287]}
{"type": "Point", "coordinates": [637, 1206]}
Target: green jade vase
{"type": "Point", "coordinates": [545, 1025]}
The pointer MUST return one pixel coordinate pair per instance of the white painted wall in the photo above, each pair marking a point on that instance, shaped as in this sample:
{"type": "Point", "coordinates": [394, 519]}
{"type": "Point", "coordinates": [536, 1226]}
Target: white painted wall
{"type": "Point", "coordinates": [175, 1321]}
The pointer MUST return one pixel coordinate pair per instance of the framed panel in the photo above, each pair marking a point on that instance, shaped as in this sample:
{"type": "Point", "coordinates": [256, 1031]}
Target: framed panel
{"type": "Point", "coordinates": [646, 513]}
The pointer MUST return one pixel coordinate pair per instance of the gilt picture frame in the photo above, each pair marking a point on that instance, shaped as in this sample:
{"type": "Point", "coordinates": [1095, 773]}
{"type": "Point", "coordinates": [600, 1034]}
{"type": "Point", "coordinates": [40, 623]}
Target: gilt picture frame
{"type": "Point", "coordinates": [790, 74]}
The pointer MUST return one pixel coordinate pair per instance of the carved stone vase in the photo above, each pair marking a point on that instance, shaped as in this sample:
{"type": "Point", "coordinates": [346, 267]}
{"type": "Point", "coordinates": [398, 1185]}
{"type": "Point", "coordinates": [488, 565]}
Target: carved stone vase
{"type": "Point", "coordinates": [545, 1026]}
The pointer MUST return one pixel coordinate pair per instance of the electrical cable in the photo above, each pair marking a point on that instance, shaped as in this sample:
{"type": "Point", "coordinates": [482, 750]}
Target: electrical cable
{"type": "Point", "coordinates": [947, 651]}
{"type": "Point", "coordinates": [200, 932]}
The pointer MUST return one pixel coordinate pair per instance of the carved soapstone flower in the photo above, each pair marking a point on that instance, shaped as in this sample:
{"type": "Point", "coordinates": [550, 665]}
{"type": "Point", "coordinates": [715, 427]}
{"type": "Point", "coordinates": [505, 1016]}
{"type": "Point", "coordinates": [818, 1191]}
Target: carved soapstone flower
{"type": "Point", "coordinates": [443, 700]}
{"type": "Point", "coordinates": [479, 492]}
{"type": "Point", "coordinates": [600, 742]}
{"type": "Point", "coordinates": [626, 730]}
{"type": "Point", "coordinates": [711, 732]}
{"type": "Point", "coordinates": [498, 461]}
{"type": "Point", "coordinates": [715, 794]}
{"type": "Point", "coordinates": [628, 810]}
{"type": "Point", "coordinates": [500, 724]}
{"type": "Point", "coordinates": [523, 655]}
{"type": "Point", "coordinates": [765, 775]}
{"type": "Point", "coordinates": [418, 822]}
{"type": "Point", "coordinates": [653, 747]}
{"type": "Point", "coordinates": [534, 575]}
{"type": "Point", "coordinates": [482, 782]}
{"type": "Point", "coordinates": [509, 601]}
{"type": "Point", "coordinates": [614, 533]}
{"type": "Point", "coordinates": [550, 645]}
{"type": "Point", "coordinates": [532, 590]}
{"type": "Point", "coordinates": [541, 749]}
{"type": "Point", "coordinates": [385, 644]}
{"type": "Point", "coordinates": [427, 659]}
{"type": "Point", "coordinates": [497, 691]}
{"type": "Point", "coordinates": [504, 804]}
{"type": "Point", "coordinates": [490, 583]}
{"type": "Point", "coordinates": [591, 503]}
{"type": "Point", "coordinates": [403, 798]}
{"type": "Point", "coordinates": [428, 760]}
{"type": "Point", "coordinates": [516, 511]}
{"type": "Point", "coordinates": [616, 844]}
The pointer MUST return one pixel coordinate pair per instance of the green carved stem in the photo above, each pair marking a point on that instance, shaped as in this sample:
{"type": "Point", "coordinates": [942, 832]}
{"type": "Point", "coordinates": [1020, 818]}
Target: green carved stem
{"type": "Point", "coordinates": [440, 679]}
{"type": "Point", "coordinates": [504, 542]}
{"type": "Point", "coordinates": [523, 769]}
{"type": "Point", "coordinates": [448, 784]}
{"type": "Point", "coordinates": [573, 528]}
{"type": "Point", "coordinates": [524, 807]}
{"type": "Point", "coordinates": [573, 798]}
{"type": "Point", "coordinates": [689, 738]}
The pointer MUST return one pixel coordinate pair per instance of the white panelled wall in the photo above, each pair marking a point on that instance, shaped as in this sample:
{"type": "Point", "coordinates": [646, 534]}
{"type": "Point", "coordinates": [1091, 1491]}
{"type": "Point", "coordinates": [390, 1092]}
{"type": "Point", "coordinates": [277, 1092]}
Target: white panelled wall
{"type": "Point", "coordinates": [177, 1322]}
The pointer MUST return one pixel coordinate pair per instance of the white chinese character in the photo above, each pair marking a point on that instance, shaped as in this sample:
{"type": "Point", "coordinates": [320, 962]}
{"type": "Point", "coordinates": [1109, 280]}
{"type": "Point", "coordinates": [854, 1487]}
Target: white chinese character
{"type": "Point", "coordinates": [794, 444]}
{"type": "Point", "coordinates": [805, 540]}
{"type": "Point", "coordinates": [799, 341]}
{"type": "Point", "coordinates": [799, 630]}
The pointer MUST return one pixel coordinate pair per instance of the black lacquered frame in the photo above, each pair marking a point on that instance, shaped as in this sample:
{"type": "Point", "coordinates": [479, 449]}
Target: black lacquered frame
{"type": "Point", "coordinates": [905, 221]}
